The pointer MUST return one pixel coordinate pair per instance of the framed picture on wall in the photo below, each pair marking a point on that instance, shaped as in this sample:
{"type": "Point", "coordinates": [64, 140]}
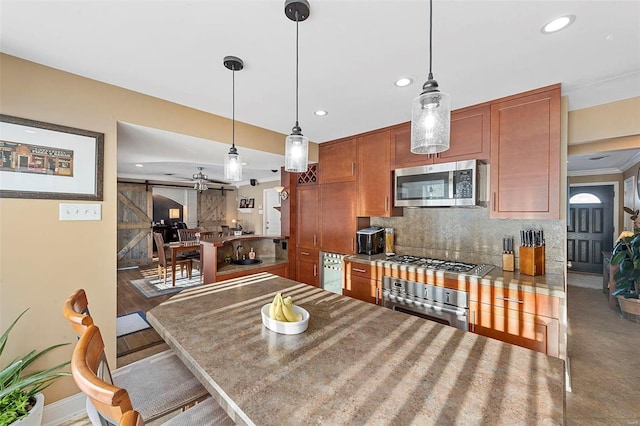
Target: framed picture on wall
{"type": "Point", "coordinates": [243, 203]}
{"type": "Point", "coordinates": [250, 203]}
{"type": "Point", "coordinates": [49, 161]}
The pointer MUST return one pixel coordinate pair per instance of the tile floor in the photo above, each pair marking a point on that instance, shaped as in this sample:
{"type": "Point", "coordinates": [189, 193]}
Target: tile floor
{"type": "Point", "coordinates": [603, 349]}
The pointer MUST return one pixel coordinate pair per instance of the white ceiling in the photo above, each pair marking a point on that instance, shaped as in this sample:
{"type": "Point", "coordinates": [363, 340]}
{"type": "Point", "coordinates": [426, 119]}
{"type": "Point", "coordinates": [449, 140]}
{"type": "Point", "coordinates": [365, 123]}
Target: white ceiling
{"type": "Point", "coordinates": [350, 54]}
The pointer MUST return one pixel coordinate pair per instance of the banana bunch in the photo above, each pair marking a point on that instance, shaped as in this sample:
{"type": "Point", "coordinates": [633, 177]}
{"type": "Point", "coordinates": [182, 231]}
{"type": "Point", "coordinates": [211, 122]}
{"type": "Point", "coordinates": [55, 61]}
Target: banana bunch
{"type": "Point", "coordinates": [282, 309]}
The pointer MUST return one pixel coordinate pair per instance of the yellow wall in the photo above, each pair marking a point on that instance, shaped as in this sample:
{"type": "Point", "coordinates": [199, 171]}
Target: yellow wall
{"type": "Point", "coordinates": [42, 260]}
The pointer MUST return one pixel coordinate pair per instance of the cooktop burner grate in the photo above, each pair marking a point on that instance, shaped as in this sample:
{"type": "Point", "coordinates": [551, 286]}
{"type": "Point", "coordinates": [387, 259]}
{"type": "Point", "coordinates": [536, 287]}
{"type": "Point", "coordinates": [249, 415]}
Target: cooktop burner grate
{"type": "Point", "coordinates": [441, 265]}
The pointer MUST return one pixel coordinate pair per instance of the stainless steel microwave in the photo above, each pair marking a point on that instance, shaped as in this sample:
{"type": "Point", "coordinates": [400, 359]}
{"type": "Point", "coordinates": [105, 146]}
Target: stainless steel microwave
{"type": "Point", "coordinates": [460, 183]}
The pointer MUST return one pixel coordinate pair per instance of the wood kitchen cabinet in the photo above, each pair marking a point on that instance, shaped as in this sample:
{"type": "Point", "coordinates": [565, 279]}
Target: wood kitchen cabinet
{"type": "Point", "coordinates": [525, 156]}
{"type": "Point", "coordinates": [470, 140]}
{"type": "Point", "coordinates": [307, 216]}
{"type": "Point", "coordinates": [308, 266]}
{"type": "Point", "coordinates": [362, 281]}
{"type": "Point", "coordinates": [338, 221]}
{"type": "Point", "coordinates": [375, 179]}
{"type": "Point", "coordinates": [526, 319]}
{"type": "Point", "coordinates": [338, 160]}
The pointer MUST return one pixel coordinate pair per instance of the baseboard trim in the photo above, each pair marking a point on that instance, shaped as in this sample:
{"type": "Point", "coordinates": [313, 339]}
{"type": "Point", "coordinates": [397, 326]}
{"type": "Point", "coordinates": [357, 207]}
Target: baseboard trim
{"type": "Point", "coordinates": [58, 412]}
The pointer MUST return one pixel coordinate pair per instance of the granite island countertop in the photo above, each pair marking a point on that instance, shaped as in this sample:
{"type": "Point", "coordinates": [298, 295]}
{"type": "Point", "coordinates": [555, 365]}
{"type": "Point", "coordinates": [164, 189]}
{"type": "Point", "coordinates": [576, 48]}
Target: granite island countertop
{"type": "Point", "coordinates": [357, 363]}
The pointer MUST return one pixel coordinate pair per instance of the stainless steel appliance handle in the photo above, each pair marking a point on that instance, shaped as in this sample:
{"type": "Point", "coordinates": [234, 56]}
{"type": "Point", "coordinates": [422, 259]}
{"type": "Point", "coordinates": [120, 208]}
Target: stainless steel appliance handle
{"type": "Point", "coordinates": [358, 270]}
{"type": "Point", "coordinates": [458, 312]}
{"type": "Point", "coordinates": [506, 299]}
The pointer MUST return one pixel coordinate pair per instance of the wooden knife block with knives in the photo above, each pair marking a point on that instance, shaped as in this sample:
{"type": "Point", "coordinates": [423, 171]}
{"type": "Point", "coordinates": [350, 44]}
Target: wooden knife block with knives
{"type": "Point", "coordinates": [531, 260]}
{"type": "Point", "coordinates": [508, 262]}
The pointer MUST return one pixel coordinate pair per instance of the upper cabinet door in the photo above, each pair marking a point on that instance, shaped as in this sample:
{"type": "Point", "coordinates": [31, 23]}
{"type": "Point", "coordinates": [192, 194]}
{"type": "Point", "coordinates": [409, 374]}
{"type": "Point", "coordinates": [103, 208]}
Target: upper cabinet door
{"type": "Point", "coordinates": [525, 156]}
{"type": "Point", "coordinates": [307, 212]}
{"type": "Point", "coordinates": [338, 160]}
{"type": "Point", "coordinates": [470, 136]}
{"type": "Point", "coordinates": [401, 155]}
{"type": "Point", "coordinates": [375, 183]}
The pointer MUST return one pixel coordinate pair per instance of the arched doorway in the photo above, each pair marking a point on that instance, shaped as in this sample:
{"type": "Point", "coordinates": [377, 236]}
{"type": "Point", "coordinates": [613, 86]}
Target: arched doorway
{"type": "Point", "coordinates": [589, 226]}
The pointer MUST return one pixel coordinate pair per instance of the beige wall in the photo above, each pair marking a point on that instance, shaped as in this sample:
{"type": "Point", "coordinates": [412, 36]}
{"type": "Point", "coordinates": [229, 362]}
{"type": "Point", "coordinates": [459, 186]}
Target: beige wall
{"type": "Point", "coordinates": [606, 123]}
{"type": "Point", "coordinates": [42, 260]}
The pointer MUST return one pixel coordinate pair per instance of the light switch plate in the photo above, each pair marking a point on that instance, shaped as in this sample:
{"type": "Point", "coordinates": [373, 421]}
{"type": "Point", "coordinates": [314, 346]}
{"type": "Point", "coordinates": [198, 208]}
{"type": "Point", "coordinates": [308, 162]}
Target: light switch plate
{"type": "Point", "coordinates": [70, 211]}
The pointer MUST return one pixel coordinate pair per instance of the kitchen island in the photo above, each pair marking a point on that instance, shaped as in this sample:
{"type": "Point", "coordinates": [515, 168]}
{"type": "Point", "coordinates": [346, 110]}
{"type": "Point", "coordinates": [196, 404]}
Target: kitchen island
{"type": "Point", "coordinates": [357, 363]}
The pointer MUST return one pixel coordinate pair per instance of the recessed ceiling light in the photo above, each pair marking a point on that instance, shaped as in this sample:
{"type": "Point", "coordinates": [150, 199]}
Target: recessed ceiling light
{"type": "Point", "coordinates": [403, 82]}
{"type": "Point", "coordinates": [320, 113]}
{"type": "Point", "coordinates": [557, 24]}
{"type": "Point", "coordinates": [244, 164]}
{"type": "Point", "coordinates": [139, 165]}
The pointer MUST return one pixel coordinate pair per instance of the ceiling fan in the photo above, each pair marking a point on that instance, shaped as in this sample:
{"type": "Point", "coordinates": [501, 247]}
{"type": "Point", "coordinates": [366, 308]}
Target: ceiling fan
{"type": "Point", "coordinates": [201, 181]}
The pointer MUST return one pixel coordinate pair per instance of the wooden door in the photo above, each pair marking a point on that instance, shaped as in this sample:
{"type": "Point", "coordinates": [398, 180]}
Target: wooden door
{"type": "Point", "coordinates": [525, 156]}
{"type": "Point", "coordinates": [590, 228]}
{"type": "Point", "coordinates": [470, 136]}
{"type": "Point", "coordinates": [338, 219]}
{"type": "Point", "coordinates": [337, 161]}
{"type": "Point", "coordinates": [374, 177]}
{"type": "Point", "coordinates": [401, 155]}
{"type": "Point", "coordinates": [135, 211]}
{"type": "Point", "coordinates": [211, 209]}
{"type": "Point", "coordinates": [307, 214]}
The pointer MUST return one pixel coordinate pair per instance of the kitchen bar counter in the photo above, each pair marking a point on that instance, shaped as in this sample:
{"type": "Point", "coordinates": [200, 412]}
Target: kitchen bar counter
{"type": "Point", "coordinates": [548, 284]}
{"type": "Point", "coordinates": [356, 364]}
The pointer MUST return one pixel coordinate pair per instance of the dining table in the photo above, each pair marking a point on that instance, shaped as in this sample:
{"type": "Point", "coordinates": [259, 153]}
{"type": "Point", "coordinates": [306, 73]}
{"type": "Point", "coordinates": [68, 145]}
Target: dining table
{"type": "Point", "coordinates": [357, 363]}
{"type": "Point", "coordinates": [177, 248]}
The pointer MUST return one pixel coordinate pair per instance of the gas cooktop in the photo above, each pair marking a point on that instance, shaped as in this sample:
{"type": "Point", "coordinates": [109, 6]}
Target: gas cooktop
{"type": "Point", "coordinates": [452, 266]}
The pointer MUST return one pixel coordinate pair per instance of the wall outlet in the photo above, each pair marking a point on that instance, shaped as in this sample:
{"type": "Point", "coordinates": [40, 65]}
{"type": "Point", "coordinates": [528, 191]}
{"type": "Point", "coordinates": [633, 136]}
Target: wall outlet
{"type": "Point", "coordinates": [70, 211]}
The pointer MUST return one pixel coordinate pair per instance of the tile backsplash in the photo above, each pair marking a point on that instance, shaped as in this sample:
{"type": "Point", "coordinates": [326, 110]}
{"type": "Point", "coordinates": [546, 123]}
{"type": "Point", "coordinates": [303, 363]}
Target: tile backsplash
{"type": "Point", "coordinates": [467, 234]}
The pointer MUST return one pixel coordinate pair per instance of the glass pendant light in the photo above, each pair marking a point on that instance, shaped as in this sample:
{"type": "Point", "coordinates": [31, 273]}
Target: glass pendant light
{"type": "Point", "coordinates": [430, 112]}
{"type": "Point", "coordinates": [201, 180]}
{"type": "Point", "coordinates": [296, 153]}
{"type": "Point", "coordinates": [232, 161]}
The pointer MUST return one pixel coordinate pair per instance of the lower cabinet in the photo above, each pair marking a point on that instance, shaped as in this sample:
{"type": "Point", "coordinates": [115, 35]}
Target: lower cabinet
{"type": "Point", "coordinates": [362, 281]}
{"type": "Point", "coordinates": [280, 269]}
{"type": "Point", "coordinates": [513, 326]}
{"type": "Point", "coordinates": [308, 266]}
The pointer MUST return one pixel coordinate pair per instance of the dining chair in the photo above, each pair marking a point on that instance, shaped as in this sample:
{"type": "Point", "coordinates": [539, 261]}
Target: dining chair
{"type": "Point", "coordinates": [158, 384]}
{"type": "Point", "coordinates": [187, 234]}
{"type": "Point", "coordinates": [89, 369]}
{"type": "Point", "coordinates": [164, 263]}
{"type": "Point", "coordinates": [194, 256]}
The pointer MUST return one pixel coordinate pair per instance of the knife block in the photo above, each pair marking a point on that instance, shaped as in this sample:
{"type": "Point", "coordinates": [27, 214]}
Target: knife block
{"type": "Point", "coordinates": [508, 262]}
{"type": "Point", "coordinates": [532, 260]}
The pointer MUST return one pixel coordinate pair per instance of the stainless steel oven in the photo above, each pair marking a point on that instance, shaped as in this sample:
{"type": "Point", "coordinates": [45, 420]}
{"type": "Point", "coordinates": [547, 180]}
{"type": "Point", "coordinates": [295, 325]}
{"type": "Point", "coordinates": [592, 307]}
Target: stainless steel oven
{"type": "Point", "coordinates": [439, 304]}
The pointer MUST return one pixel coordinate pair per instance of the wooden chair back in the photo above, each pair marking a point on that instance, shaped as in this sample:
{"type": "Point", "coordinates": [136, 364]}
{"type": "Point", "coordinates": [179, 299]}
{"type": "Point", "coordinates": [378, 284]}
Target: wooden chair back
{"type": "Point", "coordinates": [91, 373]}
{"type": "Point", "coordinates": [131, 418]}
{"type": "Point", "coordinates": [162, 257]}
{"type": "Point", "coordinates": [76, 310]}
{"type": "Point", "coordinates": [187, 234]}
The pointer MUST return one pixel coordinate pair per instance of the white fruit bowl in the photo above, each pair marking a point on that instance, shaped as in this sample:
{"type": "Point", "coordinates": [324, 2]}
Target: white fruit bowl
{"type": "Point", "coordinates": [285, 327]}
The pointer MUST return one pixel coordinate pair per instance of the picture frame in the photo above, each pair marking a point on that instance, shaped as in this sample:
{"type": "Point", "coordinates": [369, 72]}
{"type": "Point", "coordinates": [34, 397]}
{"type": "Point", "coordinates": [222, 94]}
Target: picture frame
{"type": "Point", "coordinates": [250, 203]}
{"type": "Point", "coordinates": [49, 161]}
{"type": "Point", "coordinates": [243, 203]}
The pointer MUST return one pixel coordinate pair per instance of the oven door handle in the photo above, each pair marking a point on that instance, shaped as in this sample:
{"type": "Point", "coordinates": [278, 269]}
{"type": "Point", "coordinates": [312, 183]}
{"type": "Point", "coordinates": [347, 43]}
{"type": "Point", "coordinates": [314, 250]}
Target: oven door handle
{"type": "Point", "coordinates": [458, 312]}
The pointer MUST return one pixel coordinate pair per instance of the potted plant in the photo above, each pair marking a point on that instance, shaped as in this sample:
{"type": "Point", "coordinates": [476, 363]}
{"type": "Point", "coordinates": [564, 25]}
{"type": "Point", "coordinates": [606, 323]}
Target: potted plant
{"type": "Point", "coordinates": [626, 255]}
{"type": "Point", "coordinates": [21, 398]}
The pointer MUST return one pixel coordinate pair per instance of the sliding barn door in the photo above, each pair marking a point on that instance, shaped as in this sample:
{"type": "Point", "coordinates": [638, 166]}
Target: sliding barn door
{"type": "Point", "coordinates": [135, 212]}
{"type": "Point", "coordinates": [211, 209]}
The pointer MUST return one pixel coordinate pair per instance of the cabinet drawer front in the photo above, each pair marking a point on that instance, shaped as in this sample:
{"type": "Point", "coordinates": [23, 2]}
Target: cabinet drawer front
{"type": "Point", "coordinates": [513, 326]}
{"type": "Point", "coordinates": [307, 253]}
{"type": "Point", "coordinates": [362, 289]}
{"type": "Point", "coordinates": [364, 270]}
{"type": "Point", "coordinates": [519, 300]}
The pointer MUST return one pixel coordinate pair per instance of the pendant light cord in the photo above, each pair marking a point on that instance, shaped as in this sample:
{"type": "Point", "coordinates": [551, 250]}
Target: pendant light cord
{"type": "Point", "coordinates": [297, 125]}
{"type": "Point", "coordinates": [430, 37]}
{"type": "Point", "coordinates": [233, 109]}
